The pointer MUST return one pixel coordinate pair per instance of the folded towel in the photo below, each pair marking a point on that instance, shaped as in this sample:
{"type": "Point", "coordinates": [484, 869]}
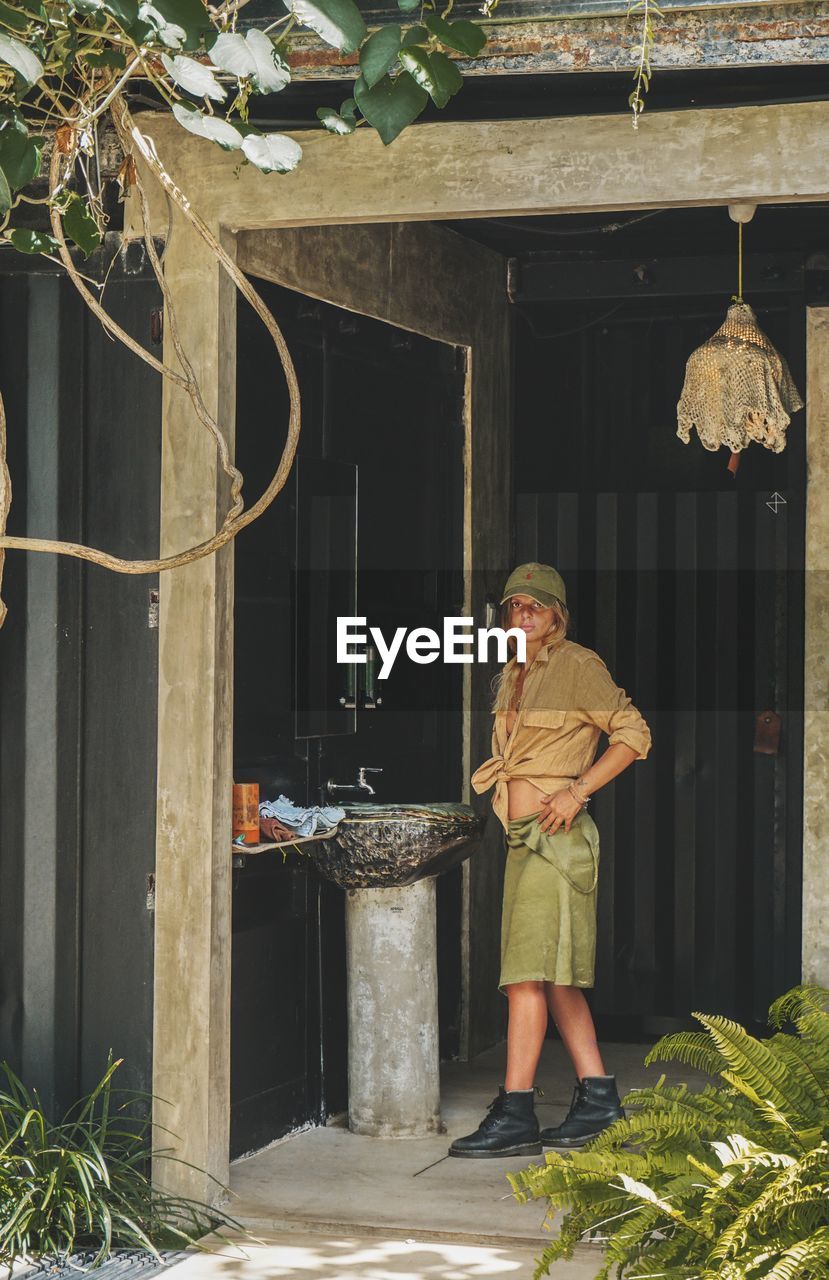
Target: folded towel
{"type": "Point", "coordinates": [314, 820]}
{"type": "Point", "coordinates": [274, 830]}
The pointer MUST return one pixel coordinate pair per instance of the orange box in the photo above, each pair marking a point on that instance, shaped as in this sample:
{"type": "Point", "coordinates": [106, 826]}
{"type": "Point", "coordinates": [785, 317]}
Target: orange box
{"type": "Point", "coordinates": [246, 811]}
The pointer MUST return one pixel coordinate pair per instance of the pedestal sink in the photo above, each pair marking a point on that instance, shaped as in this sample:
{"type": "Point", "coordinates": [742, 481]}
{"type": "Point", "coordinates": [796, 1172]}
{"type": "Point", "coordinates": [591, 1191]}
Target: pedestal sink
{"type": "Point", "coordinates": [386, 857]}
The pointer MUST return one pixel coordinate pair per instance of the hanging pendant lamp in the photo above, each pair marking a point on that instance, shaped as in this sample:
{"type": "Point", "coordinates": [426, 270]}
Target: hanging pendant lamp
{"type": "Point", "coordinates": [738, 388]}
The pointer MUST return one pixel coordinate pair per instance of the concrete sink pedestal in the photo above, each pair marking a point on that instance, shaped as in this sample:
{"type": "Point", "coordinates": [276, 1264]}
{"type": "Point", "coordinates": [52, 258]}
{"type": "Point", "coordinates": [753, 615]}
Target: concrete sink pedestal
{"type": "Point", "coordinates": [386, 857]}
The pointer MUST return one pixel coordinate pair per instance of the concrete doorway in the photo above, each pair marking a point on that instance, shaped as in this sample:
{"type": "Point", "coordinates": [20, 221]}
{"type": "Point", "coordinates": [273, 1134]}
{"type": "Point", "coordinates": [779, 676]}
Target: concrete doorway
{"type": "Point", "coordinates": [371, 524]}
{"type": "Point", "coordinates": [534, 167]}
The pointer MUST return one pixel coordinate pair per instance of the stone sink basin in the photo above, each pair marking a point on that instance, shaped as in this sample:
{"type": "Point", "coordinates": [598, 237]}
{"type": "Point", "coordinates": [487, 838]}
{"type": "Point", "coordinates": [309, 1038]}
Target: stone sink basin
{"type": "Point", "coordinates": [378, 846]}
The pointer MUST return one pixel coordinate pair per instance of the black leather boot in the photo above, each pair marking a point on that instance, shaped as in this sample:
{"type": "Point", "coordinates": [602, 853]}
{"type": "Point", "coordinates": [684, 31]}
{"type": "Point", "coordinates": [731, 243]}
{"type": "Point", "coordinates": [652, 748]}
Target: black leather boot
{"type": "Point", "coordinates": [509, 1128]}
{"type": "Point", "coordinates": [595, 1105]}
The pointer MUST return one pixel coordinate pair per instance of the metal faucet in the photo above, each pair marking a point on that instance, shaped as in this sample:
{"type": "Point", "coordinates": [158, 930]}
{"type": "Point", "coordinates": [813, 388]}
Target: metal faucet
{"type": "Point", "coordinates": [333, 788]}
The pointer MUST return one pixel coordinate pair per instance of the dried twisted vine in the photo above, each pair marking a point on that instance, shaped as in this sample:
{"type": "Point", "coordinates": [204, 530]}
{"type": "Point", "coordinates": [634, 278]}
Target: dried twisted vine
{"type": "Point", "coordinates": [236, 519]}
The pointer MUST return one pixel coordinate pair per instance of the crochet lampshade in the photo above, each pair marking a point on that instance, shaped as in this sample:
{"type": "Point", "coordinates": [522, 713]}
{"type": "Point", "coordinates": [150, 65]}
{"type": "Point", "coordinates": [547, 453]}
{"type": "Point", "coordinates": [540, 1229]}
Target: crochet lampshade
{"type": "Point", "coordinates": [738, 388]}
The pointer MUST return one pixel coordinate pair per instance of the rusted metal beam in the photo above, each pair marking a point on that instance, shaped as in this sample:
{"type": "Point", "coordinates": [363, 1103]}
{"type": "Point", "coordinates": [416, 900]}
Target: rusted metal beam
{"type": "Point", "coordinates": [377, 12]}
{"type": "Point", "coordinates": [709, 36]}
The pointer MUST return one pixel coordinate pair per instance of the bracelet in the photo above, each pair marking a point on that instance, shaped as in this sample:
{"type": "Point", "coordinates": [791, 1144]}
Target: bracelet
{"type": "Point", "coordinates": [583, 800]}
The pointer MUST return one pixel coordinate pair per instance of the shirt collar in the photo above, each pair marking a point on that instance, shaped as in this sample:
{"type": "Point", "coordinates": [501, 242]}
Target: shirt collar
{"type": "Point", "coordinates": [544, 652]}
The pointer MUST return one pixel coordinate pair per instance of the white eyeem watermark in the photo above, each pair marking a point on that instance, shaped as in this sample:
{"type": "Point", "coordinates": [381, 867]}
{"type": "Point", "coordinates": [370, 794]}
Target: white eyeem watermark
{"type": "Point", "coordinates": [424, 644]}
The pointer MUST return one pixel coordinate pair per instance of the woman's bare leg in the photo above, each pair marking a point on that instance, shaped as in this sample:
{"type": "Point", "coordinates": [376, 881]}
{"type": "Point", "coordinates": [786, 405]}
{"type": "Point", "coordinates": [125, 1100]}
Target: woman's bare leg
{"type": "Point", "coordinates": [571, 1014]}
{"type": "Point", "coordinates": [525, 1032]}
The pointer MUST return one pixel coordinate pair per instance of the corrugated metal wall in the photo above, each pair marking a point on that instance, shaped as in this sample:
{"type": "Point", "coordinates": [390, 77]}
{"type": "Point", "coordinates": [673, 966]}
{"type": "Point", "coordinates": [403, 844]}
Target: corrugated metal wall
{"type": "Point", "coordinates": [78, 675]}
{"type": "Point", "coordinates": [689, 583]}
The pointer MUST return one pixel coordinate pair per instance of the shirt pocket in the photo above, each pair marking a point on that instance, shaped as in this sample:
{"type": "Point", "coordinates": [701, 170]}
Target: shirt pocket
{"type": "Point", "coordinates": [544, 718]}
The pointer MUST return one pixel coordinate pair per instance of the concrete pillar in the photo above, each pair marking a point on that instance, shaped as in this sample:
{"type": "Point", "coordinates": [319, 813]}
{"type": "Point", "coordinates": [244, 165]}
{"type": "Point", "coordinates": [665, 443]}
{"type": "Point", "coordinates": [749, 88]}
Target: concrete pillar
{"type": "Point", "coordinates": [393, 1058]}
{"type": "Point", "coordinates": [191, 1034]}
{"type": "Point", "coordinates": [816, 661]}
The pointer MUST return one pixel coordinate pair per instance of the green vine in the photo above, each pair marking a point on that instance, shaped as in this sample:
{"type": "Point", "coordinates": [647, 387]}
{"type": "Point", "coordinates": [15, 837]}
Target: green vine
{"type": "Point", "coordinates": [66, 65]}
{"type": "Point", "coordinates": [63, 63]}
{"type": "Point", "coordinates": [644, 9]}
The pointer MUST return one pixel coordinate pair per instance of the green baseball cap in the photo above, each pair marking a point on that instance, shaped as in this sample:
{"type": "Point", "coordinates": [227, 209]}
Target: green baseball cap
{"type": "Point", "coordinates": [541, 581]}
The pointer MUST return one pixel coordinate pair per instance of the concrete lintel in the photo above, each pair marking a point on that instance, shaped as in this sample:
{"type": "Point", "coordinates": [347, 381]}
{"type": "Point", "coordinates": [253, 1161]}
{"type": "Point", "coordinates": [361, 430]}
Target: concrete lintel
{"type": "Point", "coordinates": [767, 154]}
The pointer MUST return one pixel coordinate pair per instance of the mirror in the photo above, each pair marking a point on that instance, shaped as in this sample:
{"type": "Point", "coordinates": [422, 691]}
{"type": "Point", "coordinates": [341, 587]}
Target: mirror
{"type": "Point", "coordinates": [325, 589]}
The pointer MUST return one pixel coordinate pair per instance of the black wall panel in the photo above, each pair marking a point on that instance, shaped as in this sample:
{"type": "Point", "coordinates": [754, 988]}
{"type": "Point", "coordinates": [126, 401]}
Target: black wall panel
{"type": "Point", "coordinates": [78, 683]}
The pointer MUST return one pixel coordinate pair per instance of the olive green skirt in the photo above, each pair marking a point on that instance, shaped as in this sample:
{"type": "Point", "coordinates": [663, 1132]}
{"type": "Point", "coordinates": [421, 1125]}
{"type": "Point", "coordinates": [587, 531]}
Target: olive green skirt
{"type": "Point", "coordinates": [548, 924]}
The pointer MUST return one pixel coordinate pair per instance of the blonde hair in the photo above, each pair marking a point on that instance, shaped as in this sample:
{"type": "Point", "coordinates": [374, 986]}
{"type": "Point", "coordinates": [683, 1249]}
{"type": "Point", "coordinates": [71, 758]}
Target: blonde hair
{"type": "Point", "coordinates": [503, 685]}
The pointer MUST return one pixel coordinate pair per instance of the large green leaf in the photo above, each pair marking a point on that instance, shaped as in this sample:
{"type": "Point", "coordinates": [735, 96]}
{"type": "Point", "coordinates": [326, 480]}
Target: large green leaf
{"type": "Point", "coordinates": [88, 8]}
{"type": "Point", "coordinates": [272, 152]}
{"type": "Point", "coordinates": [252, 55]}
{"type": "Point", "coordinates": [448, 79]}
{"type": "Point", "coordinates": [415, 35]}
{"type": "Point", "coordinates": [214, 128]}
{"type": "Point", "coordinates": [169, 33]}
{"type": "Point", "coordinates": [27, 241]}
{"type": "Point", "coordinates": [335, 121]}
{"type": "Point", "coordinates": [189, 16]}
{"type": "Point", "coordinates": [379, 53]}
{"type": "Point", "coordinates": [104, 58]}
{"type": "Point", "coordinates": [338, 22]}
{"type": "Point", "coordinates": [125, 12]}
{"type": "Point", "coordinates": [391, 104]}
{"type": "Point", "coordinates": [18, 56]}
{"type": "Point", "coordinates": [5, 194]}
{"type": "Point", "coordinates": [434, 72]}
{"type": "Point", "coordinates": [416, 61]}
{"type": "Point", "coordinates": [464, 37]}
{"type": "Point", "coordinates": [19, 154]}
{"type": "Point", "coordinates": [13, 19]}
{"type": "Point", "coordinates": [194, 76]}
{"type": "Point", "coordinates": [80, 226]}
{"type": "Point", "coordinates": [406, 6]}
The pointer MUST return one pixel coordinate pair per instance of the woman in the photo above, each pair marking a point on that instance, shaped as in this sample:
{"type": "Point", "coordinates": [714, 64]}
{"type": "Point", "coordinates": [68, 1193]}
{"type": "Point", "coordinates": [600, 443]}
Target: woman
{"type": "Point", "coordinates": [549, 713]}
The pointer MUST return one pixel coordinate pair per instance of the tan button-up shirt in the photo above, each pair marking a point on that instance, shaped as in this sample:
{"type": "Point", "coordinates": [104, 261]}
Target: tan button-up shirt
{"type": "Point", "coordinates": [569, 699]}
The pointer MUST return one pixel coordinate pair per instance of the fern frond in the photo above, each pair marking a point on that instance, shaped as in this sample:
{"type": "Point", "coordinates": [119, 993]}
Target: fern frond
{"type": "Point", "coordinates": [813, 1028]}
{"type": "Point", "coordinates": [552, 1253]}
{"type": "Point", "coordinates": [740, 1152]}
{"type": "Point", "coordinates": [672, 1114]}
{"type": "Point", "coordinates": [753, 1062]}
{"type": "Point", "coordinates": [633, 1229]}
{"type": "Point", "coordinates": [780, 1194]}
{"type": "Point", "coordinates": [643, 1192]}
{"type": "Point", "coordinates": [771, 1117]}
{"type": "Point", "coordinates": [727, 1182]}
{"type": "Point", "coordinates": [673, 1257]}
{"type": "Point", "coordinates": [803, 999]}
{"type": "Point", "coordinates": [694, 1048]}
{"type": "Point", "coordinates": [809, 1257]}
{"type": "Point", "coordinates": [808, 1054]}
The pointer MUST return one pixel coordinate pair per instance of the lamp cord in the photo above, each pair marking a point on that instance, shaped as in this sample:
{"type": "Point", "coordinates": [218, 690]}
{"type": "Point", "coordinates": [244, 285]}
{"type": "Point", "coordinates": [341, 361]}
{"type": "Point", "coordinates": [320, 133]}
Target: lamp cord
{"type": "Point", "coordinates": [739, 261]}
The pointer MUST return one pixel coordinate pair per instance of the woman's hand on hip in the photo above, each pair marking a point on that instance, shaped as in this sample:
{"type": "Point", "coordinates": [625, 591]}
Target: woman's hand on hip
{"type": "Point", "coordinates": [559, 808]}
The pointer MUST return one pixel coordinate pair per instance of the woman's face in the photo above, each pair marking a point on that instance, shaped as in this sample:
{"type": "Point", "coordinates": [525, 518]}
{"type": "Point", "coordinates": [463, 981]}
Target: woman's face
{"type": "Point", "coordinates": [534, 619]}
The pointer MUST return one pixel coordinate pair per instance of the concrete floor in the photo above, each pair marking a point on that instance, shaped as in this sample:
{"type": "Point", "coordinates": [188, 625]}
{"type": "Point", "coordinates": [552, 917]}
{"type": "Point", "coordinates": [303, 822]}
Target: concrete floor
{"type": "Point", "coordinates": [328, 1204]}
